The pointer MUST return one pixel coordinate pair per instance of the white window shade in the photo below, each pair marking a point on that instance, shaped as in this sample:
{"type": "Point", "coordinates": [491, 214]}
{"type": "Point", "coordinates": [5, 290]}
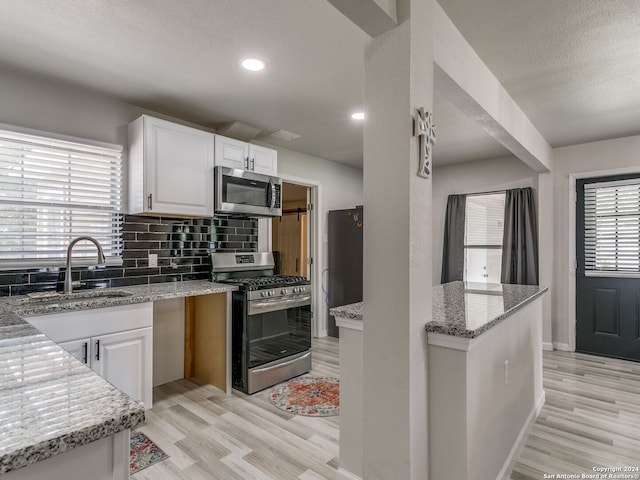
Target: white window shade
{"type": "Point", "coordinates": [484, 220]}
{"type": "Point", "coordinates": [612, 227]}
{"type": "Point", "coordinates": [52, 191]}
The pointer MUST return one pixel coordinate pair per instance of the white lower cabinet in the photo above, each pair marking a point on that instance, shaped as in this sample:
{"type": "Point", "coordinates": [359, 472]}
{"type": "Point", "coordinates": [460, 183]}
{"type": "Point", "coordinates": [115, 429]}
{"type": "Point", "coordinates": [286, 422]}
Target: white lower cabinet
{"type": "Point", "coordinates": [116, 342]}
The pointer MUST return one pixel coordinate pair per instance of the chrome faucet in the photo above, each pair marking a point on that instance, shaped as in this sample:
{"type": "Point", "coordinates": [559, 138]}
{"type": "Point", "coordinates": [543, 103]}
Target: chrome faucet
{"type": "Point", "coordinates": [68, 283]}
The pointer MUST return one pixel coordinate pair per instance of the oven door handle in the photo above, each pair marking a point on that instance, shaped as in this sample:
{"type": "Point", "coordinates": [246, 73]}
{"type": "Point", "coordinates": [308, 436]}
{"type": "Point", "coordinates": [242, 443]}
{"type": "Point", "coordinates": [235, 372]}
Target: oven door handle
{"type": "Point", "coordinates": [280, 365]}
{"type": "Point", "coordinates": [256, 307]}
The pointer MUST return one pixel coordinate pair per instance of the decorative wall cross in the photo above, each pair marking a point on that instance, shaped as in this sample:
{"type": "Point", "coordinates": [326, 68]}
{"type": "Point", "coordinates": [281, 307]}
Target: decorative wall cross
{"type": "Point", "coordinates": [424, 129]}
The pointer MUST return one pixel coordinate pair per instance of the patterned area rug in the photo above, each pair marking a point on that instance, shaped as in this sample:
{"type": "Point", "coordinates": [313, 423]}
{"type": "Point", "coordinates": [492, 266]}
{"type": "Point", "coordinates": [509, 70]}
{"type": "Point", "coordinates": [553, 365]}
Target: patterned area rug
{"type": "Point", "coordinates": [143, 453]}
{"type": "Point", "coordinates": [308, 395]}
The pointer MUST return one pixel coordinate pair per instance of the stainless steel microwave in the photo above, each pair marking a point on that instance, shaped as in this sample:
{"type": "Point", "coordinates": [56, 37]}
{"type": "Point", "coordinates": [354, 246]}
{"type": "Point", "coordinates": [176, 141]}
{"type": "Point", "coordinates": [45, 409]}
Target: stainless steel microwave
{"type": "Point", "coordinates": [238, 192]}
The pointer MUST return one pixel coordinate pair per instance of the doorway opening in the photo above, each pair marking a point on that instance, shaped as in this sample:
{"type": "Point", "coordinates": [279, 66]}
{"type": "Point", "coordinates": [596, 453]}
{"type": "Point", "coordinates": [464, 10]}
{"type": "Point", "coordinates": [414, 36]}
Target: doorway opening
{"type": "Point", "coordinates": [290, 232]}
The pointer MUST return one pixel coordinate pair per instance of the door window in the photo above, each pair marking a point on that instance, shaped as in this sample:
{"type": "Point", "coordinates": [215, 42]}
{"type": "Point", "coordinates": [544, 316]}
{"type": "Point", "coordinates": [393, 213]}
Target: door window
{"type": "Point", "coordinates": [612, 227]}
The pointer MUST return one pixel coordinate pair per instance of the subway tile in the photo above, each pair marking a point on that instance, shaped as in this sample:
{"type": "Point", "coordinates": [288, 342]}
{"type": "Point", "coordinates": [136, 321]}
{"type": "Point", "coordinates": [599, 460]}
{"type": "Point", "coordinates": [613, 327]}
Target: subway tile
{"type": "Point", "coordinates": [165, 278]}
{"type": "Point", "coordinates": [129, 281]}
{"type": "Point", "coordinates": [137, 245]}
{"type": "Point", "coordinates": [33, 287]}
{"type": "Point", "coordinates": [175, 269]}
{"type": "Point", "coordinates": [100, 273]}
{"type": "Point", "coordinates": [154, 237]}
{"type": "Point", "coordinates": [135, 227]}
{"type": "Point", "coordinates": [196, 276]}
{"type": "Point", "coordinates": [136, 272]}
{"type": "Point", "coordinates": [161, 227]}
{"type": "Point", "coordinates": [12, 278]}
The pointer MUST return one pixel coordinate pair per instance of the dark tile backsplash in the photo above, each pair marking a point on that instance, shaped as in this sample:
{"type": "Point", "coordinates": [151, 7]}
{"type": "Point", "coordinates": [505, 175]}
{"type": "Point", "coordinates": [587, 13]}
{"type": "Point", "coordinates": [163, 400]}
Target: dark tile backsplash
{"type": "Point", "coordinates": [182, 245]}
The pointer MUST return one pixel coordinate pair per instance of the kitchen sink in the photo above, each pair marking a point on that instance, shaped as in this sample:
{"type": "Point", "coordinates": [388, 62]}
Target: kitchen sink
{"type": "Point", "coordinates": [46, 299]}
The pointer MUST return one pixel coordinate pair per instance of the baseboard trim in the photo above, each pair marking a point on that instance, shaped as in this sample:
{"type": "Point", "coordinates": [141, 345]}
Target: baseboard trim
{"type": "Point", "coordinates": [547, 346]}
{"type": "Point", "coordinates": [518, 446]}
{"type": "Point", "coordinates": [343, 474]}
{"type": "Point", "coordinates": [563, 347]}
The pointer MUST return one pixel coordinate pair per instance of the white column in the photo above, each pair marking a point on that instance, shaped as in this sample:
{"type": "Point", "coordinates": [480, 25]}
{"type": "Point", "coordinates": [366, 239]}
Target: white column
{"type": "Point", "coordinates": [397, 248]}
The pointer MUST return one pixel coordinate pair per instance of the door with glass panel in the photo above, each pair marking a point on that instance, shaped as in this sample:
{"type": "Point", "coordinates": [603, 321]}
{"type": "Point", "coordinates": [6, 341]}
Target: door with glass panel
{"type": "Point", "coordinates": [608, 266]}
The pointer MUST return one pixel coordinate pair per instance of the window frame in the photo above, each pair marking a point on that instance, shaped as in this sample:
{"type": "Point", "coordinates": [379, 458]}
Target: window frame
{"type": "Point", "coordinates": [68, 148]}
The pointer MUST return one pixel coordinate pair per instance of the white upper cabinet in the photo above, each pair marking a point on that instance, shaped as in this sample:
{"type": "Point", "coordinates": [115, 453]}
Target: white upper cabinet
{"type": "Point", "coordinates": [234, 153]}
{"type": "Point", "coordinates": [263, 160]}
{"type": "Point", "coordinates": [170, 169]}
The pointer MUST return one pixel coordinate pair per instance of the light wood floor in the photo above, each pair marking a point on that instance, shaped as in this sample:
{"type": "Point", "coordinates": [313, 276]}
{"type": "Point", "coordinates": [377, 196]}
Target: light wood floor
{"type": "Point", "coordinates": [591, 418]}
{"type": "Point", "coordinates": [210, 435]}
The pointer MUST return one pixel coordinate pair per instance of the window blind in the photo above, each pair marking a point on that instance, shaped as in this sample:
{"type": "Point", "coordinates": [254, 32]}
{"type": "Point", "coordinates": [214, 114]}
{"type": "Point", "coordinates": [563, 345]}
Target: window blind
{"type": "Point", "coordinates": [54, 190]}
{"type": "Point", "coordinates": [484, 220]}
{"type": "Point", "coordinates": [612, 227]}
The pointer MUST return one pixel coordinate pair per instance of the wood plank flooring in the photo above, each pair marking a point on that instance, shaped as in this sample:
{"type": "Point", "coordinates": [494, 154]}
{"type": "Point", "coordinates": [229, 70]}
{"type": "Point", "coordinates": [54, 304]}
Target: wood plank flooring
{"type": "Point", "coordinates": [210, 435]}
{"type": "Point", "coordinates": [591, 418]}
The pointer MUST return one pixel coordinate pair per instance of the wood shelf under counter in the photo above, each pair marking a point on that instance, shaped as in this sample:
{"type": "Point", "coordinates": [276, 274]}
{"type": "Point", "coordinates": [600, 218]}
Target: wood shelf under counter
{"type": "Point", "coordinates": [206, 342]}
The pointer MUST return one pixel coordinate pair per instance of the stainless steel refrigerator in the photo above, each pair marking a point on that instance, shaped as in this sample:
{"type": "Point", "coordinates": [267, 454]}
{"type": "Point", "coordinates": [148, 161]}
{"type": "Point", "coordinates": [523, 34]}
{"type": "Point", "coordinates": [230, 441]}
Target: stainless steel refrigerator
{"type": "Point", "coordinates": [345, 261]}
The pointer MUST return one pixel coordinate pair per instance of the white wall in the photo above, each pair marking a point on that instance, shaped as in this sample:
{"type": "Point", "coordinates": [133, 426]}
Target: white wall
{"type": "Point", "coordinates": [472, 177]}
{"type": "Point", "coordinates": [44, 104]}
{"type": "Point", "coordinates": [605, 157]}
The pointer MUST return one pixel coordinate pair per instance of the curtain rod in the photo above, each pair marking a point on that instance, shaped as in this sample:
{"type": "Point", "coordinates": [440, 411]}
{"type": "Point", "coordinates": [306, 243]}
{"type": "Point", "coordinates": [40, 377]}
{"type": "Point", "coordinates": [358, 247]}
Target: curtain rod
{"type": "Point", "coordinates": [489, 193]}
{"type": "Point", "coordinates": [482, 193]}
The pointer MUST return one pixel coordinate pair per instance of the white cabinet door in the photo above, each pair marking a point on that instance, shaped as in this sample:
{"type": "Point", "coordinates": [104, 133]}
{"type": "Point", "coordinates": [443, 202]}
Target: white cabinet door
{"type": "Point", "coordinates": [231, 153]}
{"type": "Point", "coordinates": [241, 155]}
{"type": "Point", "coordinates": [170, 168]}
{"type": "Point", "coordinates": [79, 348]}
{"type": "Point", "coordinates": [263, 160]}
{"type": "Point", "coordinates": [125, 359]}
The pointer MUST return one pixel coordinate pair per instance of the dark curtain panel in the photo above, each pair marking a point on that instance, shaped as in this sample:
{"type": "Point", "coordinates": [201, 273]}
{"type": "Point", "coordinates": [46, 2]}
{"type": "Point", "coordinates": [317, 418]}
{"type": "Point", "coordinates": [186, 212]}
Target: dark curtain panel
{"type": "Point", "coordinates": [520, 243]}
{"type": "Point", "coordinates": [453, 246]}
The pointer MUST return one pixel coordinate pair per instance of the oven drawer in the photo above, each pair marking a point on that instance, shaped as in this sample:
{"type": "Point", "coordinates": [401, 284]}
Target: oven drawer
{"type": "Point", "coordinates": [278, 371]}
{"type": "Point", "coordinates": [256, 307]}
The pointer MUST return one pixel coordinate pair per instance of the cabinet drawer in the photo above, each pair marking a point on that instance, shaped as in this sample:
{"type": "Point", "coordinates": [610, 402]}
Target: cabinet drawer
{"type": "Point", "coordinates": [62, 327]}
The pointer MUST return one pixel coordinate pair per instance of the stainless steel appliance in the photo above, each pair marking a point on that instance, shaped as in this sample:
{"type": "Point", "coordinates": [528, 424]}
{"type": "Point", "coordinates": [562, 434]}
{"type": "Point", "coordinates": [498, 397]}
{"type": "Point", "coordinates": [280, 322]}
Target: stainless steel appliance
{"type": "Point", "coordinates": [345, 261]}
{"type": "Point", "coordinates": [271, 320]}
{"type": "Point", "coordinates": [239, 192]}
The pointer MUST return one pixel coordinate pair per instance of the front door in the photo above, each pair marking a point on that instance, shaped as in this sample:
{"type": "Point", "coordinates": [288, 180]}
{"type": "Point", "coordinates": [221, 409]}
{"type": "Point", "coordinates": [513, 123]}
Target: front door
{"type": "Point", "coordinates": [608, 266]}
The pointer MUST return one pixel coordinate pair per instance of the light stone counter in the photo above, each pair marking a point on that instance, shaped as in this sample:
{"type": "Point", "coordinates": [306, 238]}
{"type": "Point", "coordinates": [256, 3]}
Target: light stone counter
{"type": "Point", "coordinates": [50, 402]}
{"type": "Point", "coordinates": [465, 309]}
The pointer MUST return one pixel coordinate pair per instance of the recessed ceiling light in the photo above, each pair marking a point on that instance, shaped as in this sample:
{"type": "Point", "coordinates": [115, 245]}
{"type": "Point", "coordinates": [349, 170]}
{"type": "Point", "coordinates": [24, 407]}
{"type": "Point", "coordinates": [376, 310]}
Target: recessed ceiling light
{"type": "Point", "coordinates": [358, 116]}
{"type": "Point", "coordinates": [253, 64]}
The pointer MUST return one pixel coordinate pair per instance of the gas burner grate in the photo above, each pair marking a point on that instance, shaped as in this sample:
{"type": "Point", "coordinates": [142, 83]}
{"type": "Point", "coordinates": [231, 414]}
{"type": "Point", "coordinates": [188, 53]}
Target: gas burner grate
{"type": "Point", "coordinates": [268, 281]}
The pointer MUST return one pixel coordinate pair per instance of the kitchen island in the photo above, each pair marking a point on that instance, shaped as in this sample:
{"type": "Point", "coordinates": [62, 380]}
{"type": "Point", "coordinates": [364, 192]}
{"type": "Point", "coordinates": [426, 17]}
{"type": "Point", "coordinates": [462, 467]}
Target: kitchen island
{"type": "Point", "coordinates": [58, 418]}
{"type": "Point", "coordinates": [484, 346]}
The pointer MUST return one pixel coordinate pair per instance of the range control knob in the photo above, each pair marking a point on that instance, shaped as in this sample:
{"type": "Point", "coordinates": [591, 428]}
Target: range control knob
{"type": "Point", "coordinates": [263, 294]}
{"type": "Point", "coordinates": [283, 291]}
{"type": "Point", "coordinates": [271, 292]}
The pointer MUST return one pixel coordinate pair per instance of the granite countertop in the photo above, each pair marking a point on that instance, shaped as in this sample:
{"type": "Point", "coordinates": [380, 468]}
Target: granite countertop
{"type": "Point", "coordinates": [465, 309]}
{"type": "Point", "coordinates": [470, 309]}
{"type": "Point", "coordinates": [352, 311]}
{"type": "Point", "coordinates": [49, 401]}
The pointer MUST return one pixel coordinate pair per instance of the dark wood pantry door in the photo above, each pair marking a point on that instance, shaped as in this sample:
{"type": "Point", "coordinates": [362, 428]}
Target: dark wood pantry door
{"type": "Point", "coordinates": [608, 252]}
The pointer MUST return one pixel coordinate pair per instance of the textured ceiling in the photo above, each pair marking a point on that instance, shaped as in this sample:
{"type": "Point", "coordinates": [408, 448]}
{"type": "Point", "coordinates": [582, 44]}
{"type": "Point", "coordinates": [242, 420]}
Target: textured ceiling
{"type": "Point", "coordinates": [572, 65]}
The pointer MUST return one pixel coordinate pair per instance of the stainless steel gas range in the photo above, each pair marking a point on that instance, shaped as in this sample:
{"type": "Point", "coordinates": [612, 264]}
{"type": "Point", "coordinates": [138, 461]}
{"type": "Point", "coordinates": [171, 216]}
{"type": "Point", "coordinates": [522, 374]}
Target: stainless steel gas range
{"type": "Point", "coordinates": [271, 320]}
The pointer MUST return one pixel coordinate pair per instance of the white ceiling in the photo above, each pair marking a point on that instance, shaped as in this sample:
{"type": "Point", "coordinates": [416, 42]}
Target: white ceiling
{"type": "Point", "coordinates": [572, 66]}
